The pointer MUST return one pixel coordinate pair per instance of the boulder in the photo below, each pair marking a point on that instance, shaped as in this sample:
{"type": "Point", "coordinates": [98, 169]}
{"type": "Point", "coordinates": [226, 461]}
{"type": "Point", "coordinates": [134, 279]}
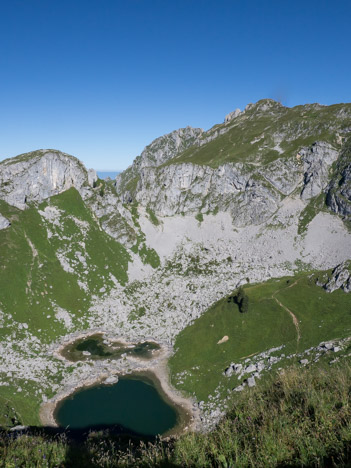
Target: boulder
{"type": "Point", "coordinates": [4, 223]}
{"type": "Point", "coordinates": [111, 380]}
{"type": "Point", "coordinates": [251, 382]}
{"type": "Point", "coordinates": [250, 368]}
{"type": "Point", "coordinates": [239, 388]}
{"type": "Point", "coordinates": [340, 278]}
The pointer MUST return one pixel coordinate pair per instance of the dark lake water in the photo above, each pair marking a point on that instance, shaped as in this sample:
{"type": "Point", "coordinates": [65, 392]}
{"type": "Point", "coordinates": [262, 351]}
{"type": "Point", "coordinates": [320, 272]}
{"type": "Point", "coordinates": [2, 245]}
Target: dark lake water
{"type": "Point", "coordinates": [133, 404]}
{"type": "Point", "coordinates": [96, 349]}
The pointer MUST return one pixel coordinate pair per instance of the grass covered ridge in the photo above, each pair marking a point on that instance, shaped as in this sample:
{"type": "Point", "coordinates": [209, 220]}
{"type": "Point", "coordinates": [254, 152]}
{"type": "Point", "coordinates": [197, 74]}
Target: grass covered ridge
{"type": "Point", "coordinates": [276, 308]}
{"type": "Point", "coordinates": [296, 418]}
{"type": "Point", "coordinates": [253, 135]}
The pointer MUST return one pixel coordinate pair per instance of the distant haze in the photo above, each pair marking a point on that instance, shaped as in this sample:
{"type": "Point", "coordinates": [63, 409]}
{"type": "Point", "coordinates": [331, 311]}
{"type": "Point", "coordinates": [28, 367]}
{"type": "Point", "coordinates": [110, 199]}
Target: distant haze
{"type": "Point", "coordinates": [105, 174]}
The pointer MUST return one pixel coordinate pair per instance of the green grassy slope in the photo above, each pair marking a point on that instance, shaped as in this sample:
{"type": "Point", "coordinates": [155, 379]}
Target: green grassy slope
{"type": "Point", "coordinates": [29, 281]}
{"type": "Point", "coordinates": [34, 287]}
{"type": "Point", "coordinates": [31, 276]}
{"type": "Point", "coordinates": [198, 362]}
{"type": "Point", "coordinates": [250, 140]}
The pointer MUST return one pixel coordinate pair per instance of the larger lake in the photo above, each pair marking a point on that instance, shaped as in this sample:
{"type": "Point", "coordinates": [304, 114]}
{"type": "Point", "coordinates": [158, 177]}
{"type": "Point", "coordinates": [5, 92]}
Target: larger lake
{"type": "Point", "coordinates": [133, 405]}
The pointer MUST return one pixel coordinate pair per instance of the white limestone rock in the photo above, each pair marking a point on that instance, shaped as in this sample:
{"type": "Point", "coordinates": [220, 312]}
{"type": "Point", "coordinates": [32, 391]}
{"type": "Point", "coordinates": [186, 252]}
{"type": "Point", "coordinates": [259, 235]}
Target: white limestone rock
{"type": "Point", "coordinates": [35, 176]}
{"type": "Point", "coordinates": [232, 115]}
{"type": "Point", "coordinates": [317, 160]}
{"type": "Point", "coordinates": [340, 278]}
{"type": "Point", "coordinates": [251, 381]}
{"type": "Point", "coordinates": [4, 223]}
{"type": "Point", "coordinates": [168, 146]}
{"type": "Point", "coordinates": [92, 177]}
{"type": "Point", "coordinates": [189, 188]}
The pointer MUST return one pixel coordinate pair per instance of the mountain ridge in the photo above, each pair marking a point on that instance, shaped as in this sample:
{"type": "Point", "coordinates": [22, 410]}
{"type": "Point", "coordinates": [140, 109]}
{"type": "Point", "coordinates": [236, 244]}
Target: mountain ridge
{"type": "Point", "coordinates": [258, 201]}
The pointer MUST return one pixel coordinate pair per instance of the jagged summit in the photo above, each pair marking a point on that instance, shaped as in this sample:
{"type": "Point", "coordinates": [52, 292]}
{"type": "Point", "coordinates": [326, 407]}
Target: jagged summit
{"type": "Point", "coordinates": [247, 165]}
{"type": "Point", "coordinates": [264, 105]}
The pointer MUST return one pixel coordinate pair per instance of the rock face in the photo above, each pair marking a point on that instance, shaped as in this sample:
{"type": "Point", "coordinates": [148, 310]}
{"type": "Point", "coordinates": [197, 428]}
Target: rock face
{"type": "Point", "coordinates": [339, 193]}
{"type": "Point", "coordinates": [92, 177]}
{"type": "Point", "coordinates": [316, 160]}
{"type": "Point", "coordinates": [190, 188]}
{"type": "Point", "coordinates": [33, 177]}
{"type": "Point", "coordinates": [4, 223]}
{"type": "Point", "coordinates": [232, 115]}
{"type": "Point", "coordinates": [245, 166]}
{"type": "Point", "coordinates": [168, 146]}
{"type": "Point", "coordinates": [341, 278]}
{"type": "Point", "coordinates": [157, 153]}
{"type": "Point", "coordinates": [241, 189]}
{"type": "Point", "coordinates": [251, 189]}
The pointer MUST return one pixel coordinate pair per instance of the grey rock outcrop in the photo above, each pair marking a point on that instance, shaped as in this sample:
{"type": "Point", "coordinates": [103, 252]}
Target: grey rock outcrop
{"type": "Point", "coordinates": [340, 278]}
{"type": "Point", "coordinates": [33, 177]}
{"type": "Point", "coordinates": [317, 160]}
{"type": "Point", "coordinates": [114, 218]}
{"type": "Point", "coordinates": [189, 188]}
{"type": "Point", "coordinates": [92, 177]}
{"type": "Point", "coordinates": [251, 381]}
{"type": "Point", "coordinates": [309, 168]}
{"type": "Point", "coordinates": [283, 174]}
{"type": "Point", "coordinates": [232, 115]}
{"type": "Point", "coordinates": [160, 151]}
{"type": "Point", "coordinates": [250, 191]}
{"type": "Point", "coordinates": [168, 146]}
{"type": "Point", "coordinates": [4, 223]}
{"type": "Point", "coordinates": [339, 190]}
{"type": "Point", "coordinates": [241, 189]}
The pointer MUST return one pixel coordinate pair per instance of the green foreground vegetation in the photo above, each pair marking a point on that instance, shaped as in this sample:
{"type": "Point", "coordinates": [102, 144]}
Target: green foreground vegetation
{"type": "Point", "coordinates": [295, 418]}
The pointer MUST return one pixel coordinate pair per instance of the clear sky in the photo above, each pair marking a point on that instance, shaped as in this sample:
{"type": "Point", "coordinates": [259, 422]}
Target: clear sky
{"type": "Point", "coordinates": [100, 79]}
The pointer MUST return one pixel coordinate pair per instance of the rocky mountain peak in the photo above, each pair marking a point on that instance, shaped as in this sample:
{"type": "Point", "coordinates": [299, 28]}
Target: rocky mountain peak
{"type": "Point", "coordinates": [264, 105]}
{"type": "Point", "coordinates": [159, 151]}
{"type": "Point", "coordinates": [168, 146]}
{"type": "Point", "coordinates": [229, 117]}
{"type": "Point", "coordinates": [35, 176]}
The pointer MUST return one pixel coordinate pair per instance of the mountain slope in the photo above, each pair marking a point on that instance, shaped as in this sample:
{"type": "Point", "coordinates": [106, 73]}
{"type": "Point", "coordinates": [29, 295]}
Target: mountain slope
{"type": "Point", "coordinates": [263, 196]}
{"type": "Point", "coordinates": [245, 166]}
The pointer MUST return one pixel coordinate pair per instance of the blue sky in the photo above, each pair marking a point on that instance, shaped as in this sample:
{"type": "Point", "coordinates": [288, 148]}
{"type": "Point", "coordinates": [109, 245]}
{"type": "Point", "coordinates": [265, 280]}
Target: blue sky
{"type": "Point", "coordinates": [100, 79]}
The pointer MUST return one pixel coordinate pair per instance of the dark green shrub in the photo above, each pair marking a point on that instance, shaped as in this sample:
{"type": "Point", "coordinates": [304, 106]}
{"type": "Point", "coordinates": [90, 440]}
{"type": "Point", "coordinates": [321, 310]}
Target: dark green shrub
{"type": "Point", "coordinates": [244, 305]}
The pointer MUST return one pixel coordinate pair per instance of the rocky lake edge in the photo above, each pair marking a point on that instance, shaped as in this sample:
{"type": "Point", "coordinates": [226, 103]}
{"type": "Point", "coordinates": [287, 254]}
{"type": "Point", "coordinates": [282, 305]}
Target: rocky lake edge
{"type": "Point", "coordinates": [154, 370]}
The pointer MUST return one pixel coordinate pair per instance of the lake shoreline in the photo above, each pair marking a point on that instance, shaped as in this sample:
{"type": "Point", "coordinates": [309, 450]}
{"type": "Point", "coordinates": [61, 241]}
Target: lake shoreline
{"type": "Point", "coordinates": [155, 369]}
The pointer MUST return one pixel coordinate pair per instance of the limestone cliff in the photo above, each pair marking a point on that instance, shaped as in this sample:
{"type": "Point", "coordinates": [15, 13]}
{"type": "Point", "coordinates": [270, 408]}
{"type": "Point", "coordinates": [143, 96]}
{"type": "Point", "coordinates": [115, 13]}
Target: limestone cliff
{"type": "Point", "coordinates": [245, 166]}
{"type": "Point", "coordinates": [339, 193]}
{"type": "Point", "coordinates": [35, 176]}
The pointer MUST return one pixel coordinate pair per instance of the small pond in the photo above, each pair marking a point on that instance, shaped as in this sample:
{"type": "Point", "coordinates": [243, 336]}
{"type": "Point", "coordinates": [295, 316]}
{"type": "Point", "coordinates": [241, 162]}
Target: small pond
{"type": "Point", "coordinates": [133, 406]}
{"type": "Point", "coordinates": [95, 347]}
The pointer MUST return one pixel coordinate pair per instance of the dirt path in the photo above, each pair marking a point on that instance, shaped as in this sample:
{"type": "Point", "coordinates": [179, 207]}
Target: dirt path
{"type": "Point", "coordinates": [249, 355]}
{"type": "Point", "coordinates": [293, 316]}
